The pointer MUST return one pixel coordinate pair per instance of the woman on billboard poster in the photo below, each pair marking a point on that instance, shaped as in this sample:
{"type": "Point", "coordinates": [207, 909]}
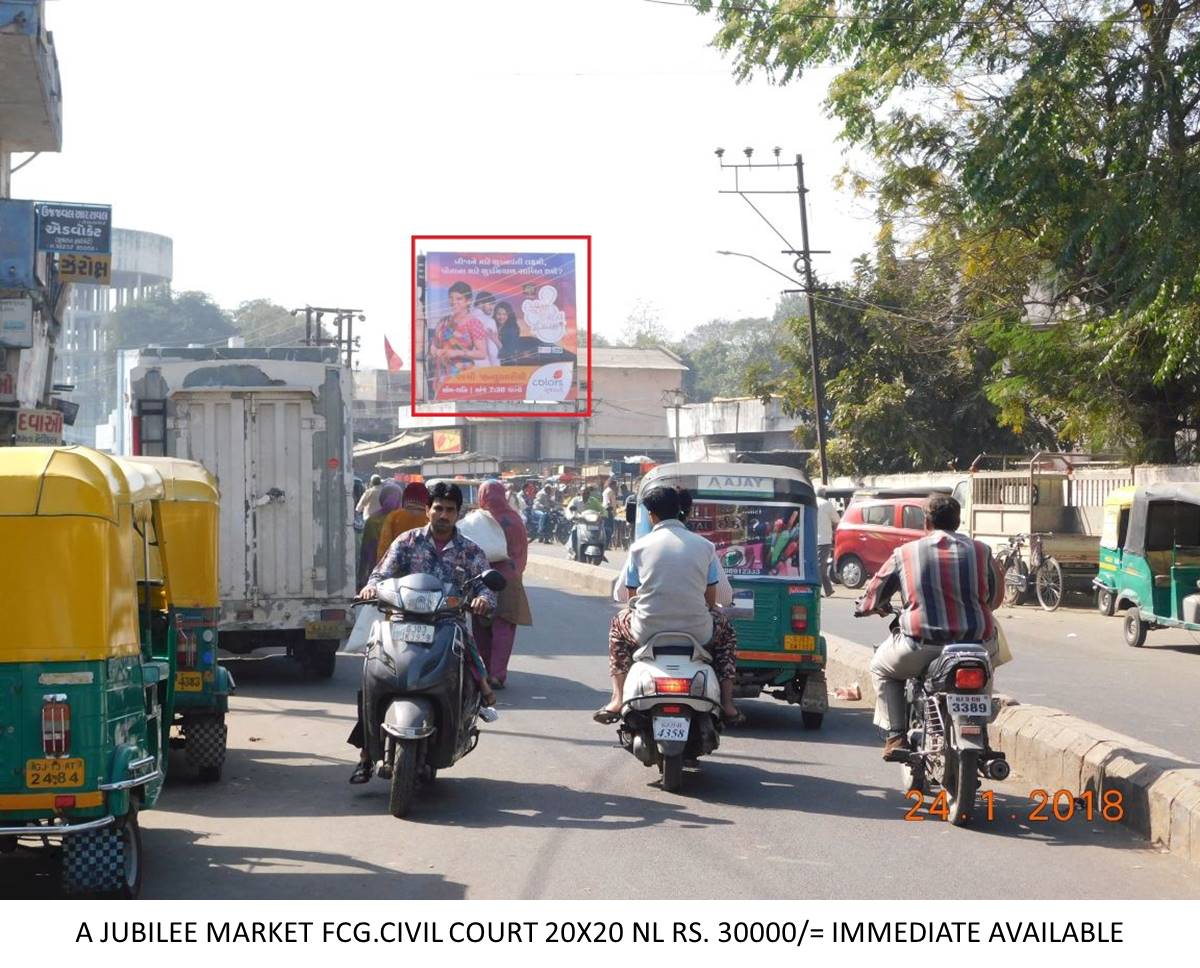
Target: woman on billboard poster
{"type": "Point", "coordinates": [458, 339]}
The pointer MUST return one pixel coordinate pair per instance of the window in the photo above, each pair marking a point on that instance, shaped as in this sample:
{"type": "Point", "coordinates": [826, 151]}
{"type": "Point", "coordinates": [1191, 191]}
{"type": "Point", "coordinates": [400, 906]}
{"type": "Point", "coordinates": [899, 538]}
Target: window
{"type": "Point", "coordinates": [878, 514]}
{"type": "Point", "coordinates": [914, 517]}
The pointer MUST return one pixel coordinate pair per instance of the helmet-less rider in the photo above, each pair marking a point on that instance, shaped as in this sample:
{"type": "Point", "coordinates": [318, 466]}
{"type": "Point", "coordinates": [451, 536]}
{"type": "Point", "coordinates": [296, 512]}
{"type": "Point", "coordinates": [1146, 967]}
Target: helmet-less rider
{"type": "Point", "coordinates": [439, 550]}
{"type": "Point", "coordinates": [672, 578]}
{"type": "Point", "coordinates": [950, 584]}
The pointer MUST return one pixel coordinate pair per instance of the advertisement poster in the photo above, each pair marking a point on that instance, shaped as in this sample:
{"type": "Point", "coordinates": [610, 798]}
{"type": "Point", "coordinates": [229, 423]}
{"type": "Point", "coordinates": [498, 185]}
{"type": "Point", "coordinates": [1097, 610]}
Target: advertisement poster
{"type": "Point", "coordinates": [500, 327]}
{"type": "Point", "coordinates": [753, 539]}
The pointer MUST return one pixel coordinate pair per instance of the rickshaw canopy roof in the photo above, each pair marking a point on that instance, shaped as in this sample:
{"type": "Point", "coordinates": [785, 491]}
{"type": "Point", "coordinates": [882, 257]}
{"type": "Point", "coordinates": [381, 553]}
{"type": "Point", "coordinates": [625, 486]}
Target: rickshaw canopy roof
{"type": "Point", "coordinates": [1164, 531]}
{"type": "Point", "coordinates": [1121, 497]}
{"type": "Point", "coordinates": [763, 482]}
{"type": "Point", "coordinates": [182, 480]}
{"type": "Point", "coordinates": [73, 480]}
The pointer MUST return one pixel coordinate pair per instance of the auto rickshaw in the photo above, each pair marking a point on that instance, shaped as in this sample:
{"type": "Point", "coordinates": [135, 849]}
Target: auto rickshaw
{"type": "Point", "coordinates": [762, 519]}
{"type": "Point", "coordinates": [190, 513]}
{"type": "Point", "coordinates": [87, 674]}
{"type": "Point", "coordinates": [1112, 540]}
{"type": "Point", "coordinates": [1158, 583]}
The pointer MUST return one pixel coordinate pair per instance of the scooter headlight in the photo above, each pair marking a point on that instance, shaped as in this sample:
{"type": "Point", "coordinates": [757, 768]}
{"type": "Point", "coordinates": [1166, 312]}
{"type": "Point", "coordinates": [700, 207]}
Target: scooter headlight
{"type": "Point", "coordinates": [421, 602]}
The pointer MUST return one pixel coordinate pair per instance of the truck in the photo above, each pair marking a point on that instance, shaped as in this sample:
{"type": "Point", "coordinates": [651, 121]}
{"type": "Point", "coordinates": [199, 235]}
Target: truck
{"type": "Point", "coordinates": [274, 427]}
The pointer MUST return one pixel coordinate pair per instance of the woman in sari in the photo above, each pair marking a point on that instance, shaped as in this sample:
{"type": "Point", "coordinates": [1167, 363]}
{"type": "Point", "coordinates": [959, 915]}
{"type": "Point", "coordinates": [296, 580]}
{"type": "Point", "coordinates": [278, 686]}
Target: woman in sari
{"type": "Point", "coordinates": [459, 340]}
{"type": "Point", "coordinates": [389, 499]}
{"type": "Point", "coordinates": [494, 637]}
{"type": "Point", "coordinates": [412, 513]}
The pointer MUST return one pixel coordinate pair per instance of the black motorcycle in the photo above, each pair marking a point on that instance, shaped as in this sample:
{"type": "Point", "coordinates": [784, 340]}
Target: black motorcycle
{"type": "Point", "coordinates": [420, 701]}
{"type": "Point", "coordinates": [948, 710]}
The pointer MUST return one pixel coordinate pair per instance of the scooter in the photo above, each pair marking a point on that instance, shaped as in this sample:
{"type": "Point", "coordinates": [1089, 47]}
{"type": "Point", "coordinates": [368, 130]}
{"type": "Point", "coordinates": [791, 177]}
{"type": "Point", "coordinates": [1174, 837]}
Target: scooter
{"type": "Point", "coordinates": [590, 537]}
{"type": "Point", "coordinates": [671, 705]}
{"type": "Point", "coordinates": [948, 710]}
{"type": "Point", "coordinates": [421, 703]}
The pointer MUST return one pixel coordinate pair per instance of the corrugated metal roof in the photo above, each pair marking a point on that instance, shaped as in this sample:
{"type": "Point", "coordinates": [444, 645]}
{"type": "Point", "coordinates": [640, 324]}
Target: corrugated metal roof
{"type": "Point", "coordinates": [635, 358]}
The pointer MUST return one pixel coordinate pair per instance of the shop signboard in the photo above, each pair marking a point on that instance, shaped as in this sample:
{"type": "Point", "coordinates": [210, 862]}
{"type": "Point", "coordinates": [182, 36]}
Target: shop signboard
{"type": "Point", "coordinates": [70, 227]}
{"type": "Point", "coordinates": [40, 428]}
{"type": "Point", "coordinates": [16, 322]}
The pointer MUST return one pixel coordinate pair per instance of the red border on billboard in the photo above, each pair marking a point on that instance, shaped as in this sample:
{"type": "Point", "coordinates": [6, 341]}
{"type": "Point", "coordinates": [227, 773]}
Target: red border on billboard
{"type": "Point", "coordinates": [525, 414]}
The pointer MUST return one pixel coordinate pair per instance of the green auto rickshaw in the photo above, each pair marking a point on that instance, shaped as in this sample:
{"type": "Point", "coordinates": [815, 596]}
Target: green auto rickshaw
{"type": "Point", "coordinates": [762, 519]}
{"type": "Point", "coordinates": [86, 671]}
{"type": "Point", "coordinates": [1115, 526]}
{"type": "Point", "coordinates": [1158, 583]}
{"type": "Point", "coordinates": [190, 513]}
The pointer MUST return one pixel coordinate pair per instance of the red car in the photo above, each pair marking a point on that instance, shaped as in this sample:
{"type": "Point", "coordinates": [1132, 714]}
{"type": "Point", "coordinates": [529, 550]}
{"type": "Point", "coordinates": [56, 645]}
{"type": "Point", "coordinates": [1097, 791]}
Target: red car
{"type": "Point", "coordinates": [870, 531]}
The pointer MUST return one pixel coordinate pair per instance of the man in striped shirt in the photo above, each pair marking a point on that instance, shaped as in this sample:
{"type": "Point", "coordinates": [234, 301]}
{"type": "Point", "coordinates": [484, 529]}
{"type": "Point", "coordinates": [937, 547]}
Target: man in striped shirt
{"type": "Point", "coordinates": [949, 584]}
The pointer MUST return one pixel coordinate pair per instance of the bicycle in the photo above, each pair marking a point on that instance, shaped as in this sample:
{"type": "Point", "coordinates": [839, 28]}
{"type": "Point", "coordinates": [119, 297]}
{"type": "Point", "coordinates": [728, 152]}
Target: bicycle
{"type": "Point", "coordinates": [1043, 568]}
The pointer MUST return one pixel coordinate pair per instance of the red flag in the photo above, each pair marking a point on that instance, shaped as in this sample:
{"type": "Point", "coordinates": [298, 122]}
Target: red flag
{"type": "Point", "coordinates": [395, 364]}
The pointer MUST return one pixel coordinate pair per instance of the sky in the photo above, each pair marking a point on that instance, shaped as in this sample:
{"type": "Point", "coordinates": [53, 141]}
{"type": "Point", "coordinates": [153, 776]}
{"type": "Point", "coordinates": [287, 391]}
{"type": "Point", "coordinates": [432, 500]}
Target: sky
{"type": "Point", "coordinates": [291, 148]}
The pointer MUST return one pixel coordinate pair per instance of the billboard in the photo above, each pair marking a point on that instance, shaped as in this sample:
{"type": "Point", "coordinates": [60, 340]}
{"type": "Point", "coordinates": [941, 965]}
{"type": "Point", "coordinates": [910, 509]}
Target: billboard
{"type": "Point", "coordinates": [497, 328]}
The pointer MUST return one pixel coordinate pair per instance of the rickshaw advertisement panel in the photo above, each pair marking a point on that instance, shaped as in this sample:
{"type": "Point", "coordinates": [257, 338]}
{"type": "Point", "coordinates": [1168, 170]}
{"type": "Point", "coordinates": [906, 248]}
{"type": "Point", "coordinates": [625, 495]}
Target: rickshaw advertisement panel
{"type": "Point", "coordinates": [500, 327]}
{"type": "Point", "coordinates": [753, 540]}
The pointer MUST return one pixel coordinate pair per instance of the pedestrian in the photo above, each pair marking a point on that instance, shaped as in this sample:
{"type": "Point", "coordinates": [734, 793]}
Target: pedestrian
{"type": "Point", "coordinates": [411, 514]}
{"type": "Point", "coordinates": [368, 504]}
{"type": "Point", "coordinates": [390, 496]}
{"type": "Point", "coordinates": [496, 635]}
{"type": "Point", "coordinates": [827, 522]}
{"type": "Point", "coordinates": [609, 499]}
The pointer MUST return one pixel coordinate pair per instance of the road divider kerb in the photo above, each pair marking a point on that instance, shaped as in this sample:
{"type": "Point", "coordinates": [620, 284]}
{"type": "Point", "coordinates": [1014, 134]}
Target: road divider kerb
{"type": "Point", "coordinates": [1050, 749]}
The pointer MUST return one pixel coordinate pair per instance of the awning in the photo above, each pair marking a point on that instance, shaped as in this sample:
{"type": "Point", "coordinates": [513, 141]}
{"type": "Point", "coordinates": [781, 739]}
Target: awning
{"type": "Point", "coordinates": [396, 447]}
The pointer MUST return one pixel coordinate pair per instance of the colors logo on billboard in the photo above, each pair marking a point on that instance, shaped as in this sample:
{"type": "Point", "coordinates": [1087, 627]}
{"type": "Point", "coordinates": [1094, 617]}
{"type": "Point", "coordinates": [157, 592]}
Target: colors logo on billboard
{"type": "Point", "coordinates": [551, 382]}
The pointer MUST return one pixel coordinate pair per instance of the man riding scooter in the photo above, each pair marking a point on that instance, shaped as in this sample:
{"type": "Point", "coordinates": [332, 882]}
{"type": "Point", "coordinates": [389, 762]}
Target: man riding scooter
{"type": "Point", "coordinates": [949, 584]}
{"type": "Point", "coordinates": [438, 550]}
{"type": "Point", "coordinates": [672, 579]}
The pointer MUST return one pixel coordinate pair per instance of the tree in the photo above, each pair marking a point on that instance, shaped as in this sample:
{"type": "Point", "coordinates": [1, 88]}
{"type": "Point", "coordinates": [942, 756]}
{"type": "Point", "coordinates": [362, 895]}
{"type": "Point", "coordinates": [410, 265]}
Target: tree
{"type": "Point", "coordinates": [1055, 144]}
{"type": "Point", "coordinates": [171, 319]}
{"type": "Point", "coordinates": [722, 352]}
{"type": "Point", "coordinates": [265, 323]}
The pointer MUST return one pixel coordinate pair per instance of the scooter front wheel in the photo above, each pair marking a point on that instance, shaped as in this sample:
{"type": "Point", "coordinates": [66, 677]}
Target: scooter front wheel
{"type": "Point", "coordinates": [404, 776]}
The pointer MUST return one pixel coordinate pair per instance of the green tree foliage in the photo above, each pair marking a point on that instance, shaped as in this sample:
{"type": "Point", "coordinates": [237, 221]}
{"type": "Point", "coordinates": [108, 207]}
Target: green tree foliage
{"type": "Point", "coordinates": [265, 323]}
{"type": "Point", "coordinates": [723, 352]}
{"type": "Point", "coordinates": [171, 319]}
{"type": "Point", "coordinates": [1049, 147]}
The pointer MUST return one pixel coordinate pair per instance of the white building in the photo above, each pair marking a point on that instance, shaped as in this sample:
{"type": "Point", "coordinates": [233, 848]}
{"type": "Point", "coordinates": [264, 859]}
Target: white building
{"type": "Point", "coordinates": [716, 431]}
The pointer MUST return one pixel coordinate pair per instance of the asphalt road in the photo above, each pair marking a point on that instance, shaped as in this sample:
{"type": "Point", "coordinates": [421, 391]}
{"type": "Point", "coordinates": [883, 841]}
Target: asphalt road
{"type": "Point", "coordinates": [549, 806]}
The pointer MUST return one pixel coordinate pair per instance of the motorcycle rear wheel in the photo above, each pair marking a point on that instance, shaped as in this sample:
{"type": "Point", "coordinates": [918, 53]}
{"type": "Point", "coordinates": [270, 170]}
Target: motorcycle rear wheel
{"type": "Point", "coordinates": [961, 781]}
{"type": "Point", "coordinates": [672, 773]}
{"type": "Point", "coordinates": [405, 768]}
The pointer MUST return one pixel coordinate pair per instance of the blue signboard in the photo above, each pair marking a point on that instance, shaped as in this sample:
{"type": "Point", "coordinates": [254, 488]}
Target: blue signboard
{"type": "Point", "coordinates": [67, 227]}
{"type": "Point", "coordinates": [16, 245]}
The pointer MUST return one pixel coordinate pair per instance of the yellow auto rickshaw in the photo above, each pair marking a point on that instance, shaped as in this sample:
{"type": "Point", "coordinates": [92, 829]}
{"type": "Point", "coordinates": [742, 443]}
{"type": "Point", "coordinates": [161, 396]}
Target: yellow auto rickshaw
{"type": "Point", "coordinates": [190, 513]}
{"type": "Point", "coordinates": [86, 670]}
{"type": "Point", "coordinates": [1112, 541]}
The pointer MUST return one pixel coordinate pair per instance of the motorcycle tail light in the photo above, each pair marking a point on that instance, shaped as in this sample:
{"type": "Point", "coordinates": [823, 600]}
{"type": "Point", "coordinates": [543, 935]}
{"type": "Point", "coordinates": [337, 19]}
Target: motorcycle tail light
{"type": "Point", "coordinates": [676, 687]}
{"type": "Point", "coordinates": [670, 710]}
{"type": "Point", "coordinates": [799, 617]}
{"type": "Point", "coordinates": [56, 726]}
{"type": "Point", "coordinates": [969, 677]}
{"type": "Point", "coordinates": [699, 683]}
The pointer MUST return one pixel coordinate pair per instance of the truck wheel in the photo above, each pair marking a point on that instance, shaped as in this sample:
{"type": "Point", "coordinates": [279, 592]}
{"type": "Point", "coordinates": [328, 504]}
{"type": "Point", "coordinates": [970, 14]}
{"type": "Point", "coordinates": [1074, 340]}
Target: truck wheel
{"type": "Point", "coordinates": [1106, 601]}
{"type": "Point", "coordinates": [206, 740]}
{"type": "Point", "coordinates": [404, 777]}
{"type": "Point", "coordinates": [672, 773]}
{"type": "Point", "coordinates": [851, 571]}
{"type": "Point", "coordinates": [321, 658]}
{"type": "Point", "coordinates": [105, 861]}
{"type": "Point", "coordinates": [1135, 629]}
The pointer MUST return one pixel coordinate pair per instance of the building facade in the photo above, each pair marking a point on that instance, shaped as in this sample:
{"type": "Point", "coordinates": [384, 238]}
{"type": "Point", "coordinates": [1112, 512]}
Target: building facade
{"type": "Point", "coordinates": [716, 431]}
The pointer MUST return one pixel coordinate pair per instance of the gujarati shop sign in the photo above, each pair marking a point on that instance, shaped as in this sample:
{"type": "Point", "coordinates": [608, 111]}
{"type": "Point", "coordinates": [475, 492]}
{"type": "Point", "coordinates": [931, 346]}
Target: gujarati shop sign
{"type": "Point", "coordinates": [67, 227]}
{"type": "Point", "coordinates": [39, 427]}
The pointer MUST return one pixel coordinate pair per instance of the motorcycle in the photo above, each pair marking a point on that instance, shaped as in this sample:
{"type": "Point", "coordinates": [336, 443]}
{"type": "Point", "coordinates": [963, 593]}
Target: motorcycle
{"type": "Point", "coordinates": [590, 536]}
{"type": "Point", "coordinates": [671, 705]}
{"type": "Point", "coordinates": [421, 704]}
{"type": "Point", "coordinates": [948, 710]}
{"type": "Point", "coordinates": [559, 526]}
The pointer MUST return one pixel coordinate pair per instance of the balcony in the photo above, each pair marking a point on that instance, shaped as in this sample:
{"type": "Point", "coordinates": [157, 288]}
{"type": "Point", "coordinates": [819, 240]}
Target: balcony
{"type": "Point", "coordinates": [30, 87]}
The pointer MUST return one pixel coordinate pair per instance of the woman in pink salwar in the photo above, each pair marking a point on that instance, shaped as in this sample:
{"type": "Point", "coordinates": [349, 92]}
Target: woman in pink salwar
{"type": "Point", "coordinates": [494, 636]}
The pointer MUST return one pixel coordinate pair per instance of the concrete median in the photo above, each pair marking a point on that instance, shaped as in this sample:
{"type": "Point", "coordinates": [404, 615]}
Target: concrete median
{"type": "Point", "coordinates": [1050, 749]}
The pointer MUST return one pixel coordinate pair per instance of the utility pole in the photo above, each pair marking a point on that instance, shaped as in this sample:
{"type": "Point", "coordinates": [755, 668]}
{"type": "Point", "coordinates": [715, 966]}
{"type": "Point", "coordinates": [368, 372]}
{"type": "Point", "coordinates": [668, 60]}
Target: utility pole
{"type": "Point", "coordinates": [803, 254]}
{"type": "Point", "coordinates": [674, 399]}
{"type": "Point", "coordinates": [343, 319]}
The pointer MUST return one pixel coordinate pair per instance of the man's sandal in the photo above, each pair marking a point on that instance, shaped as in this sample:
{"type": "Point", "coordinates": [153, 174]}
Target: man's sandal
{"type": "Point", "coordinates": [362, 773]}
{"type": "Point", "coordinates": [606, 717]}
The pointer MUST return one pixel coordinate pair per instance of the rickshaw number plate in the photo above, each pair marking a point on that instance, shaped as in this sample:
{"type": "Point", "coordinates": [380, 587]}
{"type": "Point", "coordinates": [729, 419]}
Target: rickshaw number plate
{"type": "Point", "coordinates": [189, 682]}
{"type": "Point", "coordinates": [324, 630]}
{"type": "Point", "coordinates": [671, 728]}
{"type": "Point", "coordinates": [958, 704]}
{"type": "Point", "coordinates": [41, 774]}
{"type": "Point", "coordinates": [799, 643]}
{"type": "Point", "coordinates": [409, 632]}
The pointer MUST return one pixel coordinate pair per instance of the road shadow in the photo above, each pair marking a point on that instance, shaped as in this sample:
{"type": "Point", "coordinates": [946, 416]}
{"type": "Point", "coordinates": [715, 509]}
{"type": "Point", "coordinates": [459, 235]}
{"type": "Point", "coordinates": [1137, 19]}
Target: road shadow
{"type": "Point", "coordinates": [477, 802]}
{"type": "Point", "coordinates": [535, 691]}
{"type": "Point", "coordinates": [194, 868]}
{"type": "Point", "coordinates": [771, 720]}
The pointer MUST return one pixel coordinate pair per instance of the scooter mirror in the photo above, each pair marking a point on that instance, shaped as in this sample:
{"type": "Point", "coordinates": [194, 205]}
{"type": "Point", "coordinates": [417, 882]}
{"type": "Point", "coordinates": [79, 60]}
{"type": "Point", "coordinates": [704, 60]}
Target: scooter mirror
{"type": "Point", "coordinates": [493, 580]}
